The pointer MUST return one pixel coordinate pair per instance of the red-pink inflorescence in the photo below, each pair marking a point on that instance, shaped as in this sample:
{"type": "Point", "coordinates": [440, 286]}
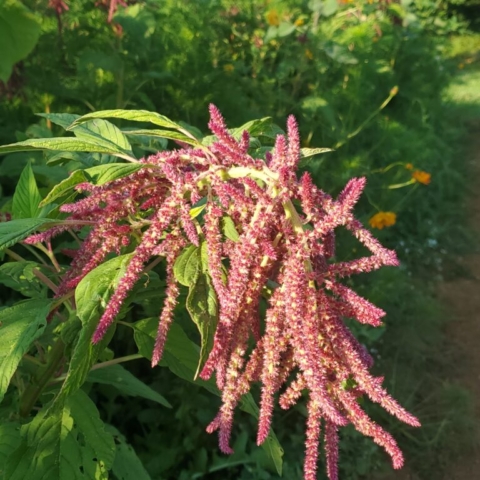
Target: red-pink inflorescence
{"type": "Point", "coordinates": [283, 253]}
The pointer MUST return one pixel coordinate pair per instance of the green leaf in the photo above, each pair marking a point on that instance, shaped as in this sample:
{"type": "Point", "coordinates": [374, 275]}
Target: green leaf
{"type": "Point", "coordinates": [263, 127]}
{"type": "Point", "coordinates": [196, 211]}
{"type": "Point", "coordinates": [64, 120]}
{"type": "Point", "coordinates": [310, 152]}
{"type": "Point", "coordinates": [102, 174]}
{"type": "Point", "coordinates": [20, 325]}
{"type": "Point", "coordinates": [99, 131]}
{"type": "Point", "coordinates": [19, 33]}
{"type": "Point", "coordinates": [96, 440]}
{"type": "Point", "coordinates": [68, 442]}
{"type": "Point", "coordinates": [181, 357]}
{"type": "Point", "coordinates": [286, 28]}
{"type": "Point", "coordinates": [339, 53]}
{"type": "Point", "coordinates": [84, 356]}
{"type": "Point", "coordinates": [20, 277]}
{"type": "Point", "coordinates": [71, 144]}
{"type": "Point", "coordinates": [91, 296]}
{"type": "Point", "coordinates": [16, 230]}
{"type": "Point", "coordinates": [202, 306]}
{"type": "Point", "coordinates": [97, 175]}
{"type": "Point", "coordinates": [65, 187]}
{"type": "Point", "coordinates": [104, 133]}
{"type": "Point", "coordinates": [271, 445]}
{"type": "Point", "coordinates": [60, 158]}
{"type": "Point", "coordinates": [163, 134]}
{"type": "Point", "coordinates": [125, 382]}
{"type": "Point", "coordinates": [187, 266]}
{"type": "Point", "coordinates": [9, 442]}
{"type": "Point", "coordinates": [26, 198]}
{"type": "Point", "coordinates": [180, 354]}
{"type": "Point", "coordinates": [329, 7]}
{"type": "Point", "coordinates": [94, 290]}
{"type": "Point", "coordinates": [133, 115]}
{"type": "Point", "coordinates": [126, 466]}
{"type": "Point", "coordinates": [229, 229]}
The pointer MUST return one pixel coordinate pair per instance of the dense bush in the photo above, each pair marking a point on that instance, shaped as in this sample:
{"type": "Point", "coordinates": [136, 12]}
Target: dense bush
{"type": "Point", "coordinates": [363, 78]}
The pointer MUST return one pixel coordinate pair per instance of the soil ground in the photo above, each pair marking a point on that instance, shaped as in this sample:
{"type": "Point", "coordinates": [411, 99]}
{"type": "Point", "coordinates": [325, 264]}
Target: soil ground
{"type": "Point", "coordinates": [461, 298]}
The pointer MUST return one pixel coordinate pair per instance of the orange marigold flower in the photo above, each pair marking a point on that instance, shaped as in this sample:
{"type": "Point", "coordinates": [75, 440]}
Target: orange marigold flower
{"type": "Point", "coordinates": [383, 219]}
{"type": "Point", "coordinates": [422, 177]}
{"type": "Point", "coordinates": [409, 166]}
{"type": "Point", "coordinates": [273, 18]}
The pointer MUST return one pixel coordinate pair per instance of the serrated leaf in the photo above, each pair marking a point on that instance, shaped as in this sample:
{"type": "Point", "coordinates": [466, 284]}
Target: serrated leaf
{"type": "Point", "coordinates": [99, 131]}
{"type": "Point", "coordinates": [127, 465]}
{"type": "Point", "coordinates": [97, 175]}
{"type": "Point", "coordinates": [169, 134]}
{"type": "Point", "coordinates": [181, 357]}
{"type": "Point", "coordinates": [187, 266]}
{"type": "Point", "coordinates": [203, 309]}
{"type": "Point", "coordinates": [125, 382]}
{"type": "Point", "coordinates": [20, 325]}
{"type": "Point", "coordinates": [68, 442]}
{"type": "Point", "coordinates": [229, 229]}
{"type": "Point", "coordinates": [84, 356]}
{"type": "Point", "coordinates": [94, 290]}
{"type": "Point", "coordinates": [16, 230]}
{"type": "Point", "coordinates": [64, 187]}
{"type": "Point", "coordinates": [9, 442]}
{"type": "Point", "coordinates": [19, 276]}
{"type": "Point", "coordinates": [91, 296]}
{"type": "Point", "coordinates": [87, 422]}
{"type": "Point", "coordinates": [104, 133]}
{"type": "Point", "coordinates": [132, 115]}
{"type": "Point", "coordinates": [71, 144]}
{"type": "Point", "coordinates": [26, 199]}
{"type": "Point", "coordinates": [102, 174]}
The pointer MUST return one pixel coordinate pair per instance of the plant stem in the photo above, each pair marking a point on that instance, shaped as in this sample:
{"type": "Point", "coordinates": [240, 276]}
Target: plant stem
{"type": "Point", "coordinates": [45, 280]}
{"type": "Point", "coordinates": [14, 255]}
{"type": "Point", "coordinates": [98, 366]}
{"type": "Point", "coordinates": [34, 390]}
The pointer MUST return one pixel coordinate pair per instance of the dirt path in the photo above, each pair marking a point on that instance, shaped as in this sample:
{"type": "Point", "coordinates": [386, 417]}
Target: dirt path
{"type": "Point", "coordinates": [461, 297]}
{"type": "Point", "coordinates": [461, 300]}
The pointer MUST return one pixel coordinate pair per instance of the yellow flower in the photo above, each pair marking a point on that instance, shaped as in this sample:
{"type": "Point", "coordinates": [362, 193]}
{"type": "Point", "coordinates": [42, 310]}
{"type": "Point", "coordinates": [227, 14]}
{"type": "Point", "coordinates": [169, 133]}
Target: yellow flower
{"type": "Point", "coordinates": [309, 54]}
{"type": "Point", "coordinates": [422, 177]}
{"type": "Point", "coordinates": [273, 18]}
{"type": "Point", "coordinates": [299, 22]}
{"type": "Point", "coordinates": [228, 68]}
{"type": "Point", "coordinates": [383, 219]}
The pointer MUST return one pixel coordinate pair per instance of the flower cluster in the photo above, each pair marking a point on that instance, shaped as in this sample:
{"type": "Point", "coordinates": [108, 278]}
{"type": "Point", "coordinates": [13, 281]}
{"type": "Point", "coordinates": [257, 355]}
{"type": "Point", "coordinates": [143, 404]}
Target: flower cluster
{"type": "Point", "coordinates": [286, 242]}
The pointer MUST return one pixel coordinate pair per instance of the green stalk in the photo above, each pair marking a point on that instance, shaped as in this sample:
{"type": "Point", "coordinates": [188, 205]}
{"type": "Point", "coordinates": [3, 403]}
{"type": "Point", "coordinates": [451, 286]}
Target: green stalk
{"type": "Point", "coordinates": [34, 390]}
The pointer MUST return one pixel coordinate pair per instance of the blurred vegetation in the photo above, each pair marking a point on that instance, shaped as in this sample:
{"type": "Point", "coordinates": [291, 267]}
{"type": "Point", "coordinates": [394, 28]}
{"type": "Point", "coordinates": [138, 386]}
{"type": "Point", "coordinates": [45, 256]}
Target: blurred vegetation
{"type": "Point", "coordinates": [387, 84]}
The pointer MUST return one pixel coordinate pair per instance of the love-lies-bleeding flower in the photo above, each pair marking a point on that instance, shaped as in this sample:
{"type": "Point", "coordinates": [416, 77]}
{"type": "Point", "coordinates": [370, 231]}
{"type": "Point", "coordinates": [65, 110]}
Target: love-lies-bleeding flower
{"type": "Point", "coordinates": [281, 301]}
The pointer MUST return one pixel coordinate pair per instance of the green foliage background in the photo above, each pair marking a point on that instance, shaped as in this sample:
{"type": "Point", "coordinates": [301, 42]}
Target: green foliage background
{"type": "Point", "coordinates": [334, 66]}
